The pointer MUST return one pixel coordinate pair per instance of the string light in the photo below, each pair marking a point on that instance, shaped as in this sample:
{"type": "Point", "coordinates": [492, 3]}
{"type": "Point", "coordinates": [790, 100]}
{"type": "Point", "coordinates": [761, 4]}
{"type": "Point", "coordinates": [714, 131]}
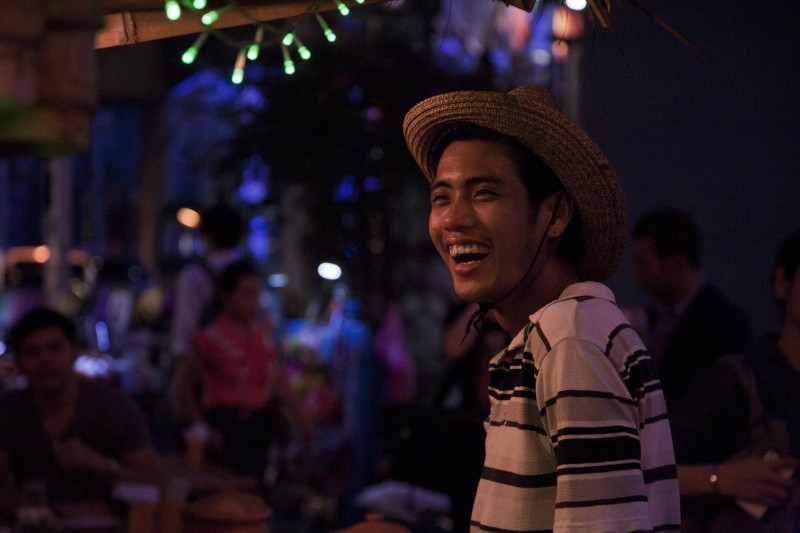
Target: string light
{"type": "Point", "coordinates": [191, 53]}
{"type": "Point", "coordinates": [212, 16]}
{"type": "Point", "coordinates": [255, 48]}
{"type": "Point", "coordinates": [342, 8]}
{"type": "Point", "coordinates": [238, 69]}
{"type": "Point", "coordinates": [288, 64]}
{"type": "Point", "coordinates": [304, 52]}
{"type": "Point", "coordinates": [251, 50]}
{"type": "Point", "coordinates": [325, 29]}
{"type": "Point", "coordinates": [172, 9]}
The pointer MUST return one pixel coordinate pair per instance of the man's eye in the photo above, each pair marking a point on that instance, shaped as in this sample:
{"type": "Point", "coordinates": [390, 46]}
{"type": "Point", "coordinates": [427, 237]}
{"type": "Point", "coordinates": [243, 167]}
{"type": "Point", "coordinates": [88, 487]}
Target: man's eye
{"type": "Point", "coordinates": [485, 192]}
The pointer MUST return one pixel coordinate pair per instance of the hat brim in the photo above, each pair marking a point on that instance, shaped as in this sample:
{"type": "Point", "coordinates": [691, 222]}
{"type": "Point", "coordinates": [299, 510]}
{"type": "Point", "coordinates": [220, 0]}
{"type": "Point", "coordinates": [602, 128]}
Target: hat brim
{"type": "Point", "coordinates": [531, 116]}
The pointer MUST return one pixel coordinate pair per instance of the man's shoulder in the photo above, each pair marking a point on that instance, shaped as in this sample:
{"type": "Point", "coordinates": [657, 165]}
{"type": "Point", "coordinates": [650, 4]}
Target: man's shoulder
{"type": "Point", "coordinates": [710, 299]}
{"type": "Point", "coordinates": [586, 310]}
{"type": "Point", "coordinates": [12, 401]}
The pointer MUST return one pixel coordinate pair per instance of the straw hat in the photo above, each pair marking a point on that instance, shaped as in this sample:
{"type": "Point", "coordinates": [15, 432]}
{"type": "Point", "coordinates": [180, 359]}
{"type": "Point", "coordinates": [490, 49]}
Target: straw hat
{"type": "Point", "coordinates": [531, 116]}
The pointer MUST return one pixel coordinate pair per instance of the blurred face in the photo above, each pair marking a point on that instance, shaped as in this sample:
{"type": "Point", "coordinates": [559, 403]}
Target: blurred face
{"type": "Point", "coordinates": [242, 302]}
{"type": "Point", "coordinates": [46, 357]}
{"type": "Point", "coordinates": [649, 269]}
{"type": "Point", "coordinates": [789, 290]}
{"type": "Point", "coordinates": [481, 221]}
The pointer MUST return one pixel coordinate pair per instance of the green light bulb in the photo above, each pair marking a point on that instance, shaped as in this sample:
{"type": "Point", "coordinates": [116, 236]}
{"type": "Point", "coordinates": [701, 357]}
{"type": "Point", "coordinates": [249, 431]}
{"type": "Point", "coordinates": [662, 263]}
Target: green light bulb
{"type": "Point", "coordinates": [209, 18]}
{"type": "Point", "coordinates": [288, 64]}
{"type": "Point", "coordinates": [288, 38]}
{"type": "Point", "coordinates": [304, 52]}
{"type": "Point", "coordinates": [252, 52]}
{"type": "Point", "coordinates": [238, 76]}
{"type": "Point", "coordinates": [189, 55]}
{"type": "Point", "coordinates": [342, 8]}
{"type": "Point", "coordinates": [199, 4]}
{"type": "Point", "coordinates": [325, 29]}
{"type": "Point", "coordinates": [172, 9]}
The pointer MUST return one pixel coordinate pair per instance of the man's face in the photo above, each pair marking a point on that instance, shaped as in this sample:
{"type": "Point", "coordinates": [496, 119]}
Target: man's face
{"type": "Point", "coordinates": [788, 289]}
{"type": "Point", "coordinates": [649, 269]}
{"type": "Point", "coordinates": [45, 357]}
{"type": "Point", "coordinates": [481, 221]}
{"type": "Point", "coordinates": [242, 302]}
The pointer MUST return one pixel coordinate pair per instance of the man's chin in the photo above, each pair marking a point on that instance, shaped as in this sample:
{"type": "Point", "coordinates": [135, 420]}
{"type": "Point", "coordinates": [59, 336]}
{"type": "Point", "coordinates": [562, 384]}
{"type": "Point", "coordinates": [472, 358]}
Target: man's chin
{"type": "Point", "coordinates": [472, 295]}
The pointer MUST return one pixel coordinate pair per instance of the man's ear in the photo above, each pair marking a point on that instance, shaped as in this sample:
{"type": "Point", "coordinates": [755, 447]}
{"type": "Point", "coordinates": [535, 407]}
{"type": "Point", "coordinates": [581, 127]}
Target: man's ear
{"type": "Point", "coordinates": [780, 283]}
{"type": "Point", "coordinates": [560, 208]}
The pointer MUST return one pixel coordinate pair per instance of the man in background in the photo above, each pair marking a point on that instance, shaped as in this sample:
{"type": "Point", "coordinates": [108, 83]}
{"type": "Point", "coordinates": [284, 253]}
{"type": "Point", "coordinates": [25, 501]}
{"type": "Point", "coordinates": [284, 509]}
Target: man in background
{"type": "Point", "coordinates": [73, 437]}
{"type": "Point", "coordinates": [688, 323]}
{"type": "Point", "coordinates": [221, 230]}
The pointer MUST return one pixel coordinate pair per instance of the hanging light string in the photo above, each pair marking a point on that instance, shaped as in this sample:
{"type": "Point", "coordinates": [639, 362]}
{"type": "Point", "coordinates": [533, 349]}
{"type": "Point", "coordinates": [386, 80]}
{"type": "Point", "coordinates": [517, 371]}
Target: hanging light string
{"type": "Point", "coordinates": [266, 35]}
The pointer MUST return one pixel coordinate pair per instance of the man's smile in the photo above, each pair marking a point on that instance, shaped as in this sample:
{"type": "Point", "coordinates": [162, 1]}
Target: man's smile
{"type": "Point", "coordinates": [467, 253]}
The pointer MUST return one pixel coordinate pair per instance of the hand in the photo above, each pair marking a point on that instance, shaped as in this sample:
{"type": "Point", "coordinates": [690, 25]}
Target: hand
{"type": "Point", "coordinates": [757, 480]}
{"type": "Point", "coordinates": [74, 455]}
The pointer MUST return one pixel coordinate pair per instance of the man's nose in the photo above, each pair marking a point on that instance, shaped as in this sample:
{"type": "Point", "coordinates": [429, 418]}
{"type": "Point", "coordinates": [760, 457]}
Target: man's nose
{"type": "Point", "coordinates": [460, 214]}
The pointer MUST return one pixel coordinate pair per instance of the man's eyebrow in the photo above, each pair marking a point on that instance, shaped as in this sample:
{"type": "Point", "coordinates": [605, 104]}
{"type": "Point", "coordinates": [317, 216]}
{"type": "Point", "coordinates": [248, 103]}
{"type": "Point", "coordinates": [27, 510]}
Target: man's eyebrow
{"type": "Point", "coordinates": [471, 182]}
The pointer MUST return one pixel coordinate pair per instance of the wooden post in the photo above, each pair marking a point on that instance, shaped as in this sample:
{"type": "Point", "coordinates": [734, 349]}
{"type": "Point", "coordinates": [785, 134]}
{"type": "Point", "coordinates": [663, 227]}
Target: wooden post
{"type": "Point", "coordinates": [58, 230]}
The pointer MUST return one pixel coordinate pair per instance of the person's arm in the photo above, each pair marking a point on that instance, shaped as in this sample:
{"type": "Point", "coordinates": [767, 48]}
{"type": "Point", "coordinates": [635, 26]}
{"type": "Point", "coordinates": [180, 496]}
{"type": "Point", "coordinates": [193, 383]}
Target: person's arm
{"type": "Point", "coordinates": [9, 498]}
{"type": "Point", "coordinates": [141, 465]}
{"type": "Point", "coordinates": [193, 291]}
{"type": "Point", "coordinates": [594, 424]}
{"type": "Point", "coordinates": [753, 479]}
{"type": "Point", "coordinates": [188, 378]}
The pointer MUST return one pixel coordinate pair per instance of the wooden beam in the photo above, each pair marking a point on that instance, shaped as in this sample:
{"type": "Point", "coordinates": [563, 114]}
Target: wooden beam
{"type": "Point", "coordinates": [131, 27]}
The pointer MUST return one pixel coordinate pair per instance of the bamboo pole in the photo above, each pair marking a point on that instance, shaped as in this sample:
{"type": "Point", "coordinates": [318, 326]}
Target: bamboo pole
{"type": "Point", "coordinates": [125, 27]}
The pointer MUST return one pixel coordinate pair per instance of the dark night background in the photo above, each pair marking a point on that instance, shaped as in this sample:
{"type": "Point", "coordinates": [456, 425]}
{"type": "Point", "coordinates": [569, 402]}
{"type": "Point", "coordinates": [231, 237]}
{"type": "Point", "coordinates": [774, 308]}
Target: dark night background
{"type": "Point", "coordinates": [718, 136]}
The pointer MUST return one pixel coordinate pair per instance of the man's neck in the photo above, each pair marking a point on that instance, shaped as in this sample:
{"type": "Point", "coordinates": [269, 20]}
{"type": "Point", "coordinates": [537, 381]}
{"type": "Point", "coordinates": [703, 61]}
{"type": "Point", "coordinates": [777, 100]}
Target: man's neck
{"type": "Point", "coordinates": [513, 313]}
{"type": "Point", "coordinates": [56, 407]}
{"type": "Point", "coordinates": [683, 290]}
{"type": "Point", "coordinates": [57, 399]}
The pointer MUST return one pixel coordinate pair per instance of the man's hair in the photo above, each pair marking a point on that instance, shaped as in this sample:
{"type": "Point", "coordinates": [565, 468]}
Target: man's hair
{"type": "Point", "coordinates": [223, 225]}
{"type": "Point", "coordinates": [788, 258]}
{"type": "Point", "coordinates": [538, 179]}
{"type": "Point", "coordinates": [37, 320]}
{"type": "Point", "coordinates": [673, 232]}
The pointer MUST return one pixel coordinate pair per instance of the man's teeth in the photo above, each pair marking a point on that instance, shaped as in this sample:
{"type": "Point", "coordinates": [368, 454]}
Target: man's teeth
{"type": "Point", "coordinates": [468, 252]}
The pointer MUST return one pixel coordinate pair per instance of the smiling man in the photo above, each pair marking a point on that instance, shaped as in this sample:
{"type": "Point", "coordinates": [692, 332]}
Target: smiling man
{"type": "Point", "coordinates": [529, 217]}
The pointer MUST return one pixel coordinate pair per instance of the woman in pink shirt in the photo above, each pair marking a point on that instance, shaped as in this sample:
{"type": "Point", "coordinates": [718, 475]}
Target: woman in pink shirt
{"type": "Point", "coordinates": [231, 376]}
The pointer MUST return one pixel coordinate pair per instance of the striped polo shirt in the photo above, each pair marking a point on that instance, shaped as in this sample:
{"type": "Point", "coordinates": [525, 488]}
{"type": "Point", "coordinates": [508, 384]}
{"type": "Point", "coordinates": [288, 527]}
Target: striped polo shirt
{"type": "Point", "coordinates": [578, 437]}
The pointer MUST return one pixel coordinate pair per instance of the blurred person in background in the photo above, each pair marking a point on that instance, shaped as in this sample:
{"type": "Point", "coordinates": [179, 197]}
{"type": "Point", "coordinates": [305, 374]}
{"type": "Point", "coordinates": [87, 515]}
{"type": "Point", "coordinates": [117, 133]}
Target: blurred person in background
{"type": "Point", "coordinates": [689, 323]}
{"type": "Point", "coordinates": [73, 437]}
{"type": "Point", "coordinates": [221, 229]}
{"type": "Point", "coordinates": [712, 423]}
{"type": "Point", "coordinates": [231, 381]}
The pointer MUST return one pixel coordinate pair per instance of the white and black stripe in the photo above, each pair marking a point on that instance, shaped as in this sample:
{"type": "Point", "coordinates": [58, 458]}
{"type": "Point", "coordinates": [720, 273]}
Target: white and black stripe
{"type": "Point", "coordinates": [578, 437]}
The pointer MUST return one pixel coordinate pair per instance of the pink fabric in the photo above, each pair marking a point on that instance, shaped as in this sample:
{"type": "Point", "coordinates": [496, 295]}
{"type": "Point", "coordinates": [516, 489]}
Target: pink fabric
{"type": "Point", "coordinates": [391, 348]}
{"type": "Point", "coordinates": [238, 368]}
